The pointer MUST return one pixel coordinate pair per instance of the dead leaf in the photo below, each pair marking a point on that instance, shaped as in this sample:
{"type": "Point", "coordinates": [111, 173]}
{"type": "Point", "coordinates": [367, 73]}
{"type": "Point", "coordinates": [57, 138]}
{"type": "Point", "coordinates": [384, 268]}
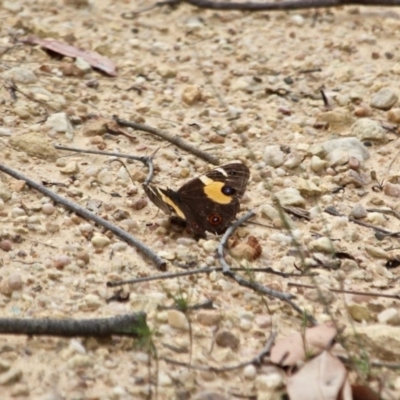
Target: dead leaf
{"type": "Point", "coordinates": [94, 59]}
{"type": "Point", "coordinates": [297, 347]}
{"type": "Point", "coordinates": [322, 378]}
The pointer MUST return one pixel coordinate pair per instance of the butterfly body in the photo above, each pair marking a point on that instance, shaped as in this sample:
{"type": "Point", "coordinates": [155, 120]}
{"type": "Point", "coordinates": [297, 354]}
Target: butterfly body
{"type": "Point", "coordinates": [207, 203]}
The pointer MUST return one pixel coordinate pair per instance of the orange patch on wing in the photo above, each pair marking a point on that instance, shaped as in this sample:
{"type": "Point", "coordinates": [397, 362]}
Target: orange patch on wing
{"type": "Point", "coordinates": [167, 200]}
{"type": "Point", "coordinates": [213, 190]}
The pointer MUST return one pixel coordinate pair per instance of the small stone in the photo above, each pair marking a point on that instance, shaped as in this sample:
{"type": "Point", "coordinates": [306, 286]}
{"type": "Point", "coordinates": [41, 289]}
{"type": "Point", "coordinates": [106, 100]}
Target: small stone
{"type": "Point", "coordinates": [377, 340]}
{"type": "Point", "coordinates": [95, 127]}
{"type": "Point", "coordinates": [71, 168]}
{"type": "Point", "coordinates": [15, 281]}
{"type": "Point", "coordinates": [240, 84]}
{"type": "Point", "coordinates": [297, 19]}
{"type": "Point", "coordinates": [5, 194]}
{"type": "Point", "coordinates": [178, 320]}
{"type": "Point", "coordinates": [385, 99]}
{"type": "Point", "coordinates": [394, 115]}
{"type": "Point", "coordinates": [140, 204]}
{"type": "Point", "coordinates": [19, 74]}
{"type": "Point", "coordinates": [274, 156]}
{"type": "Point", "coordinates": [337, 120]}
{"type": "Point", "coordinates": [105, 177]}
{"type": "Point", "coordinates": [191, 94]}
{"type": "Point", "coordinates": [83, 256]}
{"type": "Point", "coordinates": [376, 252]}
{"type": "Point", "coordinates": [93, 301]}
{"type": "Point", "coordinates": [290, 197]}
{"type": "Point", "coordinates": [245, 325]}
{"type": "Point", "coordinates": [59, 123]}
{"type": "Point", "coordinates": [269, 212]}
{"type": "Point", "coordinates": [79, 361]}
{"type": "Point", "coordinates": [5, 288]}
{"type": "Point", "coordinates": [367, 129]}
{"type": "Point", "coordinates": [167, 71]}
{"type": "Point", "coordinates": [52, 227]}
{"type": "Point", "coordinates": [250, 372]}
{"type": "Point", "coordinates": [391, 189]}
{"type": "Point", "coordinates": [11, 376]}
{"type": "Point", "coordinates": [208, 317]}
{"type": "Point", "coordinates": [294, 160]}
{"type": "Point", "coordinates": [6, 245]}
{"type": "Point", "coordinates": [390, 316]}
{"type": "Point", "coordinates": [164, 379]}
{"type": "Point", "coordinates": [225, 338]}
{"type": "Point", "coordinates": [23, 112]}
{"type": "Point", "coordinates": [4, 366]}
{"type": "Point", "coordinates": [34, 144]}
{"type": "Point", "coordinates": [48, 209]}
{"type": "Point", "coordinates": [338, 151]}
{"type": "Point", "coordinates": [322, 244]}
{"type": "Point", "coordinates": [362, 111]}
{"type": "Point", "coordinates": [263, 321]}
{"type": "Point", "coordinates": [210, 246]}
{"type": "Point", "coordinates": [358, 211]}
{"type": "Point", "coordinates": [76, 346]}
{"type": "Point", "coordinates": [359, 313]}
{"type": "Point", "coordinates": [269, 382]}
{"type": "Point", "coordinates": [83, 65]}
{"type": "Point", "coordinates": [308, 188]}
{"type": "Point", "coordinates": [18, 212]}
{"type": "Point", "coordinates": [12, 6]}
{"type": "Point", "coordinates": [59, 262]}
{"type": "Point", "coordinates": [100, 241]}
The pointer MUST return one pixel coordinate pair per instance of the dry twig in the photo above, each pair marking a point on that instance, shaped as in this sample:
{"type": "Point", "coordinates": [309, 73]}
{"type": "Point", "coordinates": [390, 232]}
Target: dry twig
{"type": "Point", "coordinates": [227, 271]}
{"type": "Point", "coordinates": [83, 212]}
{"type": "Point", "coordinates": [147, 161]}
{"type": "Point", "coordinates": [372, 294]}
{"type": "Point", "coordinates": [257, 360]}
{"type": "Point", "coordinates": [172, 275]}
{"type": "Point", "coordinates": [176, 140]}
{"type": "Point", "coordinates": [261, 6]}
{"type": "Point", "coordinates": [335, 213]}
{"type": "Point", "coordinates": [133, 325]}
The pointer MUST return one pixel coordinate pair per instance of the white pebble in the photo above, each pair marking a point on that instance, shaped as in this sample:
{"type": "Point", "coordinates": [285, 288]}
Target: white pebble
{"type": "Point", "coordinates": [48, 209]}
{"type": "Point", "coordinates": [15, 281]}
{"type": "Point", "coordinates": [76, 346]}
{"type": "Point", "coordinates": [17, 212]}
{"type": "Point", "coordinates": [177, 320]}
{"type": "Point", "coordinates": [250, 372]}
{"type": "Point", "coordinates": [100, 241]}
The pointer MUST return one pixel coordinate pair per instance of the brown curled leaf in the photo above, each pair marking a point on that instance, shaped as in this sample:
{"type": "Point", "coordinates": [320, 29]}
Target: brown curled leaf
{"type": "Point", "coordinates": [94, 59]}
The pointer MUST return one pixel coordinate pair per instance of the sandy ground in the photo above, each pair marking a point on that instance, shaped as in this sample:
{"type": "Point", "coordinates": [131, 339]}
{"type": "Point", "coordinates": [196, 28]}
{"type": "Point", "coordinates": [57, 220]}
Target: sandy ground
{"type": "Point", "coordinates": [233, 84]}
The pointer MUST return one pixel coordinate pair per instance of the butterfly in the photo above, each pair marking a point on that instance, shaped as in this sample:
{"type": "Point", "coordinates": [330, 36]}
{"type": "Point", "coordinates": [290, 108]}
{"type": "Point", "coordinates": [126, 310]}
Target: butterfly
{"type": "Point", "coordinates": [209, 202]}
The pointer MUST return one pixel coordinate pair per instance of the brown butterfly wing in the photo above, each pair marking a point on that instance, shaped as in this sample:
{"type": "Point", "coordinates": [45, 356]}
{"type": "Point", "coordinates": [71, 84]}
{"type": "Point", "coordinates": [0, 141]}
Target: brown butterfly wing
{"type": "Point", "coordinates": [211, 201]}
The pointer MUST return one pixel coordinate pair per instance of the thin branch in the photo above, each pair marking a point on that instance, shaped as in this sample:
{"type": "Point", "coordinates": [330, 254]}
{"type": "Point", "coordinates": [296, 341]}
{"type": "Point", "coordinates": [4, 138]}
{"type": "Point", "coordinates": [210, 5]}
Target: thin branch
{"type": "Point", "coordinates": [257, 360]}
{"type": "Point", "coordinates": [147, 161]}
{"type": "Point", "coordinates": [227, 271]}
{"type": "Point", "coordinates": [372, 294]}
{"type": "Point", "coordinates": [83, 212]}
{"type": "Point", "coordinates": [133, 325]}
{"type": "Point", "coordinates": [176, 140]}
{"type": "Point", "coordinates": [286, 5]}
{"type": "Point", "coordinates": [171, 275]}
{"type": "Point", "coordinates": [332, 211]}
{"type": "Point", "coordinates": [259, 6]}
